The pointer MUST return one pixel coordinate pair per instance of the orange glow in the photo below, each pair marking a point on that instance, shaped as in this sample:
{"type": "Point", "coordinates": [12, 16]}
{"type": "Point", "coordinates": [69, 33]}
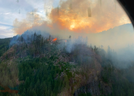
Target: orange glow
{"type": "Point", "coordinates": [55, 39]}
{"type": "Point", "coordinates": [77, 17]}
{"type": "Point", "coordinates": [71, 21]}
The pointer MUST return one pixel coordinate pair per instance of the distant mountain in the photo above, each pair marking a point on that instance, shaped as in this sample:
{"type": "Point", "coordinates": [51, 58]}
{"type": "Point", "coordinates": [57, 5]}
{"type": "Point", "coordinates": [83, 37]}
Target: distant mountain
{"type": "Point", "coordinates": [119, 29]}
{"type": "Point", "coordinates": [116, 37]}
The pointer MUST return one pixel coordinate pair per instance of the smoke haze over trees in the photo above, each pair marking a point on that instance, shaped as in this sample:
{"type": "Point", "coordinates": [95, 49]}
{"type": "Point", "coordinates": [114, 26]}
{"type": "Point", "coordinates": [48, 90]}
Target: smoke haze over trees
{"type": "Point", "coordinates": [40, 64]}
{"type": "Point", "coordinates": [66, 56]}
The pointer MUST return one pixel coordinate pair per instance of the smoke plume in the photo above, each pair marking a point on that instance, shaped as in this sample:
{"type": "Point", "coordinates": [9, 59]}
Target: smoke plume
{"type": "Point", "coordinates": [81, 16]}
{"type": "Point", "coordinates": [84, 19]}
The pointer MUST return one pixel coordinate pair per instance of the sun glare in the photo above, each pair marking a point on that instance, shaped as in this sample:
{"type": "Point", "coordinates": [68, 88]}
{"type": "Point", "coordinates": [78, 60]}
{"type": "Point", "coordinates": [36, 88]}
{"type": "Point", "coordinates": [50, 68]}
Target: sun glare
{"type": "Point", "coordinates": [72, 26]}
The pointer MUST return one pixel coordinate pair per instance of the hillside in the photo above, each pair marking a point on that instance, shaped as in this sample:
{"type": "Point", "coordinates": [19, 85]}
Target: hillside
{"type": "Point", "coordinates": [41, 66]}
{"type": "Point", "coordinates": [117, 37]}
{"type": "Point", "coordinates": [116, 34]}
{"type": "Point", "coordinates": [4, 45]}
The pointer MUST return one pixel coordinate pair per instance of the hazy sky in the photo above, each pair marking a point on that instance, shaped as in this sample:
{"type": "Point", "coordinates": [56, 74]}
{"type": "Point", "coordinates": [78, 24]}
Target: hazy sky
{"type": "Point", "coordinates": [12, 9]}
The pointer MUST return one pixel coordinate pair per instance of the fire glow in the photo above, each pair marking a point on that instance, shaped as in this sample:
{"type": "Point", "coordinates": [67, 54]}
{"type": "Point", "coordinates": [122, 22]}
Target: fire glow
{"type": "Point", "coordinates": [81, 17]}
{"type": "Point", "coordinates": [55, 39]}
{"type": "Point", "coordinates": [69, 20]}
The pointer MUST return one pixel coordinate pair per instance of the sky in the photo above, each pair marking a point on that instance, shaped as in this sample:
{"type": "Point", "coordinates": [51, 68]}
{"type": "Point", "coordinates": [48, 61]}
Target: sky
{"type": "Point", "coordinates": [10, 10]}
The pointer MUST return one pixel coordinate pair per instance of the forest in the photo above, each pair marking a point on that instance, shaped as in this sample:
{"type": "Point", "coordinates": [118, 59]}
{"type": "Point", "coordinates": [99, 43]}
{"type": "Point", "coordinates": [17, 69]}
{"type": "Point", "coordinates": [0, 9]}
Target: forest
{"type": "Point", "coordinates": [4, 45]}
{"type": "Point", "coordinates": [40, 66]}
